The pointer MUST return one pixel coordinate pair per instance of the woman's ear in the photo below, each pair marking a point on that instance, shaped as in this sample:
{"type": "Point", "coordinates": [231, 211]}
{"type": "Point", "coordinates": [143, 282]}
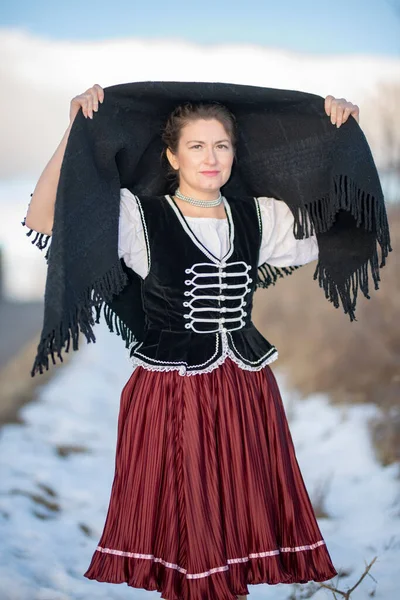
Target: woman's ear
{"type": "Point", "coordinates": [172, 159]}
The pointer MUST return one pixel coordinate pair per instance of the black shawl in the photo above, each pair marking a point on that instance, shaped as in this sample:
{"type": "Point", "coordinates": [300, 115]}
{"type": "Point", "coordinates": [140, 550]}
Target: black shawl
{"type": "Point", "coordinates": [287, 149]}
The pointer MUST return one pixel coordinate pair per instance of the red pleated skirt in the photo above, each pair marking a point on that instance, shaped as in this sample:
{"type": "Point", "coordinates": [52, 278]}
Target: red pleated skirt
{"type": "Point", "coordinates": [207, 495]}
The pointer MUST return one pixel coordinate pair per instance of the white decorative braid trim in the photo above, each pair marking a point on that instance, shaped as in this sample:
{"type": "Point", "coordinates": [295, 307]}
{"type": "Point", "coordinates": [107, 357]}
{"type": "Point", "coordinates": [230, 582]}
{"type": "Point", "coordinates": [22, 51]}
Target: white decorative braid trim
{"type": "Point", "coordinates": [301, 548]}
{"type": "Point", "coordinates": [229, 561]}
{"type": "Point", "coordinates": [194, 238]}
{"type": "Point", "coordinates": [271, 352]}
{"type": "Point", "coordinates": [226, 352]}
{"type": "Point", "coordinates": [167, 366]}
{"type": "Point", "coordinates": [258, 214]}
{"type": "Point", "coordinates": [146, 235]}
{"type": "Point", "coordinates": [260, 226]}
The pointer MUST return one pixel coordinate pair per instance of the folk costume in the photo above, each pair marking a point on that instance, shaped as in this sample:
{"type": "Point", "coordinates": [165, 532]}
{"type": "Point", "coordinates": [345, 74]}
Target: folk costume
{"type": "Point", "coordinates": [207, 495]}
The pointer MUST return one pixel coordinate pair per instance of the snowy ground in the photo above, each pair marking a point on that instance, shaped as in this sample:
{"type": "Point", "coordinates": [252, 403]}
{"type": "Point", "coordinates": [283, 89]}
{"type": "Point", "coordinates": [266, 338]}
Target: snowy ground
{"type": "Point", "coordinates": [53, 501]}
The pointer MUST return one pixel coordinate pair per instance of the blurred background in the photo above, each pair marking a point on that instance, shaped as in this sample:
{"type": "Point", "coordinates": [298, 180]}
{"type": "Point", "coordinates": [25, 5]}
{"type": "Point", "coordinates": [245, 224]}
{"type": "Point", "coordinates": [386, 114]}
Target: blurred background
{"type": "Point", "coordinates": [340, 380]}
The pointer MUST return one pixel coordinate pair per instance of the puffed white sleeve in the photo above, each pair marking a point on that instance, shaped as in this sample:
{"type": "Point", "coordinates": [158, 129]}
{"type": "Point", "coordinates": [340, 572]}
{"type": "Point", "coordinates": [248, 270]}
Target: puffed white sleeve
{"type": "Point", "coordinates": [279, 247]}
{"type": "Point", "coordinates": [131, 240]}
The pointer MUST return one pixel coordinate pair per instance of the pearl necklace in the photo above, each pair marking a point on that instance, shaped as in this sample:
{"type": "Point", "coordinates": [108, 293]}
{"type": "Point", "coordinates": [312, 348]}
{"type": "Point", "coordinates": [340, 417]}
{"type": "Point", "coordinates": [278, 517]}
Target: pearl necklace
{"type": "Point", "coordinates": [203, 203]}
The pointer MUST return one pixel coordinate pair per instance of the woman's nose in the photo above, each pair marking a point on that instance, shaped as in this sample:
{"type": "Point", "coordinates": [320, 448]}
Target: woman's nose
{"type": "Point", "coordinates": [210, 156]}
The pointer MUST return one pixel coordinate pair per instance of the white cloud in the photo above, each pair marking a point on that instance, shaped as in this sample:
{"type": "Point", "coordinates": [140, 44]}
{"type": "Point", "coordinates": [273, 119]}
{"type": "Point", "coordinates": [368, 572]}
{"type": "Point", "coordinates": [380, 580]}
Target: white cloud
{"type": "Point", "coordinates": [40, 76]}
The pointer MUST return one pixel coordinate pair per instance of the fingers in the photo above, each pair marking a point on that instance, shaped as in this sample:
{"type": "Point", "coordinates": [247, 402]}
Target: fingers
{"type": "Point", "coordinates": [328, 104]}
{"type": "Point", "coordinates": [90, 100]}
{"type": "Point", "coordinates": [355, 112]}
{"type": "Point", "coordinates": [334, 109]}
{"type": "Point", "coordinates": [87, 104]}
{"type": "Point", "coordinates": [345, 110]}
{"type": "Point", "coordinates": [100, 92]}
{"type": "Point", "coordinates": [96, 95]}
{"type": "Point", "coordinates": [346, 113]}
{"type": "Point", "coordinates": [339, 110]}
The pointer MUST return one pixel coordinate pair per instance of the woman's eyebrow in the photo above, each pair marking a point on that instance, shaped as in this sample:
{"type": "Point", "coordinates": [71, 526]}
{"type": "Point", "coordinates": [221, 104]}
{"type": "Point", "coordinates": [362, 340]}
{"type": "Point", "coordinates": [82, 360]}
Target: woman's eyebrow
{"type": "Point", "coordinates": [201, 142]}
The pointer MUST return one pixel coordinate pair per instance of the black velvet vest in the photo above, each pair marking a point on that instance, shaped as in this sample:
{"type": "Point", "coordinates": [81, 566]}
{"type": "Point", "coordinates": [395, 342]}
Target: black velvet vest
{"type": "Point", "coordinates": [198, 307]}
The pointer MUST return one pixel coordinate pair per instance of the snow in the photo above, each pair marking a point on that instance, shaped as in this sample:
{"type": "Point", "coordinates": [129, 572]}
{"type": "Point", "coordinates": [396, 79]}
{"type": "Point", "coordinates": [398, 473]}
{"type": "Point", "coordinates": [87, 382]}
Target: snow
{"type": "Point", "coordinates": [53, 507]}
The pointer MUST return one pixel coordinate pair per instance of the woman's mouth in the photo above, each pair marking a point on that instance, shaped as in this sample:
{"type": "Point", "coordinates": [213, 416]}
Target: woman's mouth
{"type": "Point", "coordinates": [209, 173]}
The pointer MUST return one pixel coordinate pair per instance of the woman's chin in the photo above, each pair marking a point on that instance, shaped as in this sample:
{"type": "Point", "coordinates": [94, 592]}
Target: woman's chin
{"type": "Point", "coordinates": [213, 185]}
{"type": "Point", "coordinates": [203, 187]}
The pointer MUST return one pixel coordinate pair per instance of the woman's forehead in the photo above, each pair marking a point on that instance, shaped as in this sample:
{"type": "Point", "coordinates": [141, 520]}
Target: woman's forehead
{"type": "Point", "coordinates": [203, 127]}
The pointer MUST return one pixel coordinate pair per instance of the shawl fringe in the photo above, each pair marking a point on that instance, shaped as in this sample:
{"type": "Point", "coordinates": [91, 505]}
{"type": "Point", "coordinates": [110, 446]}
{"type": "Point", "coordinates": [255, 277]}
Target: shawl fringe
{"type": "Point", "coordinates": [115, 324]}
{"type": "Point", "coordinates": [345, 194]}
{"type": "Point", "coordinates": [318, 217]}
{"type": "Point", "coordinates": [347, 291]}
{"type": "Point", "coordinates": [268, 274]}
{"type": "Point", "coordinates": [83, 318]}
{"type": "Point", "coordinates": [41, 240]}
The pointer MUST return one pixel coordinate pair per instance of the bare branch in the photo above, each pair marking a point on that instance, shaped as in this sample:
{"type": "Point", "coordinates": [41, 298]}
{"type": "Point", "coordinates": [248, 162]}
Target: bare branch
{"type": "Point", "coordinates": [346, 595]}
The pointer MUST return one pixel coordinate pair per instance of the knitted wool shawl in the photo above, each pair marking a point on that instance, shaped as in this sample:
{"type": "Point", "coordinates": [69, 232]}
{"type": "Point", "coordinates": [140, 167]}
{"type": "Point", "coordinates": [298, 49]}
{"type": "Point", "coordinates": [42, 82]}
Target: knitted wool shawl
{"type": "Point", "coordinates": [287, 148]}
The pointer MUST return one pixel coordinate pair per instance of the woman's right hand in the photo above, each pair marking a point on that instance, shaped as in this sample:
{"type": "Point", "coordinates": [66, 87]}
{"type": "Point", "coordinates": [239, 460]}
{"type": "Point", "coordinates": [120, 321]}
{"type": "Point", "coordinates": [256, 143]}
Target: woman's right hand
{"type": "Point", "coordinates": [88, 101]}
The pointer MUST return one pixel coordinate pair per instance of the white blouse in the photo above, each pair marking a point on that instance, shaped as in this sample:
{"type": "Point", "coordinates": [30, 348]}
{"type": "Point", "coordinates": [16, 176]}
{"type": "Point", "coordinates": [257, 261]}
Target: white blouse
{"type": "Point", "coordinates": [279, 247]}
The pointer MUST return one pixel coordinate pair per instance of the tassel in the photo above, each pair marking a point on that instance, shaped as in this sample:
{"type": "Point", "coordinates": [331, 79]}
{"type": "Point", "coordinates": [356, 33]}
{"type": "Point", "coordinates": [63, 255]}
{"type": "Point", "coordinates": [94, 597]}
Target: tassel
{"type": "Point", "coordinates": [318, 217]}
{"type": "Point", "coordinates": [345, 194]}
{"type": "Point", "coordinates": [82, 319]}
{"type": "Point", "coordinates": [41, 240]}
{"type": "Point", "coordinates": [347, 290]}
{"type": "Point", "coordinates": [268, 275]}
{"type": "Point", "coordinates": [115, 324]}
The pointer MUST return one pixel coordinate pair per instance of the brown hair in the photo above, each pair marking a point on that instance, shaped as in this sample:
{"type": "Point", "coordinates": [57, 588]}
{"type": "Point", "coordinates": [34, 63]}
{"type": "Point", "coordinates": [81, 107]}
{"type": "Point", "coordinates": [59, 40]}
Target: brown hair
{"type": "Point", "coordinates": [186, 113]}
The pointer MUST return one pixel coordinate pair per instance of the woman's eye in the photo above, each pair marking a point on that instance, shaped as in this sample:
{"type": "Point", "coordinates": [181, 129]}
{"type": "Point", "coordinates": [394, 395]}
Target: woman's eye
{"type": "Point", "coordinates": [196, 146]}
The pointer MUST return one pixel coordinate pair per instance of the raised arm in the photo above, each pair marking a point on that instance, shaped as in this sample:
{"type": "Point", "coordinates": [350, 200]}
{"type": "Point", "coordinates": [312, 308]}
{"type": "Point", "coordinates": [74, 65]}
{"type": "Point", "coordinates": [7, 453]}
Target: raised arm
{"type": "Point", "coordinates": [40, 214]}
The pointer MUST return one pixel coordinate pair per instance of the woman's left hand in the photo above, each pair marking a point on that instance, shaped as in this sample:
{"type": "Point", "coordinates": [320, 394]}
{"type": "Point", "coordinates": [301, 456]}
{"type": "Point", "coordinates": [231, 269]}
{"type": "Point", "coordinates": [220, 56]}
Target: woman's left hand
{"type": "Point", "coordinates": [339, 110]}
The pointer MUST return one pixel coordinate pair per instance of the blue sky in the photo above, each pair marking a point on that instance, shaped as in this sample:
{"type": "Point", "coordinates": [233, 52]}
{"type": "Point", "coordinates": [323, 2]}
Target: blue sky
{"type": "Point", "coordinates": [341, 26]}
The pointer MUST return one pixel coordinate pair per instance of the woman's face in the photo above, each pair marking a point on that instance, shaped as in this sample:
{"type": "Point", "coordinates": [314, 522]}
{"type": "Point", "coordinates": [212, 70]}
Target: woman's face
{"type": "Point", "coordinates": [204, 158]}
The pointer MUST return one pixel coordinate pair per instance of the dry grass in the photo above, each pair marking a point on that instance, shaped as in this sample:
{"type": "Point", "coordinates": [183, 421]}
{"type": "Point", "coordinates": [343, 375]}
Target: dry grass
{"type": "Point", "coordinates": [17, 387]}
{"type": "Point", "coordinates": [323, 351]}
{"type": "Point", "coordinates": [318, 498]}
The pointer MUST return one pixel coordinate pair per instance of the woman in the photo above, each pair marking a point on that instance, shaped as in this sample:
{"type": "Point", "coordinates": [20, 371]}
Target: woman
{"type": "Point", "coordinates": [207, 495]}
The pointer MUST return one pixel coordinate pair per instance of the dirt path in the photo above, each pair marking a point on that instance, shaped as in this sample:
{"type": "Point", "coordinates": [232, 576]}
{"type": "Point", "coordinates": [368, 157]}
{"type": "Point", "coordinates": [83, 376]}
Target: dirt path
{"type": "Point", "coordinates": [20, 325]}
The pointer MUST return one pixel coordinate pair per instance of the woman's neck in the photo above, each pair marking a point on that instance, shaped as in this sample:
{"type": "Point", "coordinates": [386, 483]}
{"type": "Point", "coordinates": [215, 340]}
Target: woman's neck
{"type": "Point", "coordinates": [189, 210]}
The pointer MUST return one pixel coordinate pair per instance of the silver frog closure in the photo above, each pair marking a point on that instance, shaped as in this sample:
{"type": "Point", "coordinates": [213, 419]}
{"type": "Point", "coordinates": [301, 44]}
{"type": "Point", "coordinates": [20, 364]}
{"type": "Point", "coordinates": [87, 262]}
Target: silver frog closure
{"type": "Point", "coordinates": [221, 296]}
